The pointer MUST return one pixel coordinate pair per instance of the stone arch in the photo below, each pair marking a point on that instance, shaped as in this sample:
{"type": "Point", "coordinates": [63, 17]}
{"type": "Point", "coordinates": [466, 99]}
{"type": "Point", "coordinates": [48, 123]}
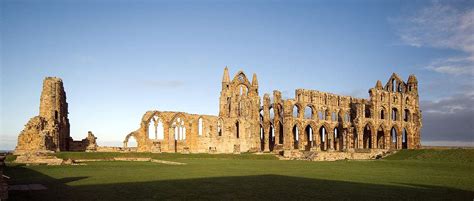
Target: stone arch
{"type": "Point", "coordinates": [367, 135]}
{"type": "Point", "coordinates": [237, 129]}
{"type": "Point", "coordinates": [179, 126]}
{"type": "Point", "coordinates": [153, 125]}
{"type": "Point", "coordinates": [271, 113]}
{"type": "Point", "coordinates": [241, 78]}
{"type": "Point", "coordinates": [405, 139]}
{"type": "Point", "coordinates": [278, 108]}
{"type": "Point", "coordinates": [380, 139]}
{"type": "Point", "coordinates": [322, 113]}
{"type": "Point", "coordinates": [308, 137]}
{"type": "Point", "coordinates": [367, 112]}
{"type": "Point", "coordinates": [309, 111]}
{"type": "Point", "coordinates": [220, 126]}
{"type": "Point", "coordinates": [127, 139]}
{"type": "Point", "coordinates": [176, 116]}
{"type": "Point", "coordinates": [406, 115]}
{"type": "Point", "coordinates": [271, 136]}
{"type": "Point", "coordinates": [200, 126]}
{"type": "Point", "coordinates": [281, 133]}
{"type": "Point", "coordinates": [334, 115]}
{"type": "Point", "coordinates": [383, 113]}
{"type": "Point", "coordinates": [296, 110]}
{"type": "Point", "coordinates": [323, 137]}
{"type": "Point", "coordinates": [394, 137]}
{"type": "Point", "coordinates": [296, 133]}
{"type": "Point", "coordinates": [395, 115]}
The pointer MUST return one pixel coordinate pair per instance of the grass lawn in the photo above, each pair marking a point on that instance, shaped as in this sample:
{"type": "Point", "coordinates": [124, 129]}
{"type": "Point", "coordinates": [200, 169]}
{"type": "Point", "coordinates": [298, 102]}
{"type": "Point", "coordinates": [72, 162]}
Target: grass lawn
{"type": "Point", "coordinates": [407, 175]}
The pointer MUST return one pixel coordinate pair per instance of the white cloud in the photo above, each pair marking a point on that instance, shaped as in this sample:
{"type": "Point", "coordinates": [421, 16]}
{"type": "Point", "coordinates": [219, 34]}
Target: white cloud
{"type": "Point", "coordinates": [442, 25]}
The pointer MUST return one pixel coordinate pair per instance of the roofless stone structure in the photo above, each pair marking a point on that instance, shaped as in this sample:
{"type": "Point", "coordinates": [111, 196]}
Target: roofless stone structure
{"type": "Point", "coordinates": [49, 131]}
{"type": "Point", "coordinates": [311, 121]}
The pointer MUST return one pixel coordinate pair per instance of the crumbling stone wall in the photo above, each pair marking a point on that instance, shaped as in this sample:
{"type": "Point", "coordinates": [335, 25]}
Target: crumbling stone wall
{"type": "Point", "coordinates": [49, 131]}
{"type": "Point", "coordinates": [87, 144]}
{"type": "Point", "coordinates": [311, 121]}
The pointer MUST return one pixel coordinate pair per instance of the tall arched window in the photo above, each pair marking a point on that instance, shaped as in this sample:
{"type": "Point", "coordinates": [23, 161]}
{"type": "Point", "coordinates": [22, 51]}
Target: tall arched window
{"type": "Point", "coordinates": [155, 128]}
{"type": "Point", "coordinates": [237, 130]}
{"type": "Point", "coordinates": [272, 114]}
{"type": "Point", "coordinates": [322, 115]}
{"type": "Point", "coordinates": [394, 114]}
{"type": "Point", "coordinates": [393, 85]}
{"type": "Point", "coordinates": [295, 111]}
{"type": "Point", "coordinates": [393, 137]}
{"type": "Point", "coordinates": [179, 129]}
{"type": "Point", "coordinates": [367, 112]}
{"type": "Point", "coordinates": [200, 124]}
{"type": "Point", "coordinates": [160, 130]}
{"type": "Point", "coordinates": [406, 115]}
{"type": "Point", "coordinates": [219, 127]}
{"type": "Point", "coordinates": [308, 112]}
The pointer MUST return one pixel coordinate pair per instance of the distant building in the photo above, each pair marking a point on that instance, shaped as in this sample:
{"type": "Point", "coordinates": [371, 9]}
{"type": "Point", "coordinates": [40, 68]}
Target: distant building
{"type": "Point", "coordinates": [311, 121]}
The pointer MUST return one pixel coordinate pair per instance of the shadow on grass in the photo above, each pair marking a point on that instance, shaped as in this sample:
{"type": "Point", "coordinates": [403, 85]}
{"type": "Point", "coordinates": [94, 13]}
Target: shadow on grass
{"type": "Point", "coordinates": [258, 187]}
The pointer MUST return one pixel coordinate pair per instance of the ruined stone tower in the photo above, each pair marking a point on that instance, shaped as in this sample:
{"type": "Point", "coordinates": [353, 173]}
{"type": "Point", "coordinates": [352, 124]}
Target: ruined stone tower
{"type": "Point", "coordinates": [54, 108]}
{"type": "Point", "coordinates": [49, 131]}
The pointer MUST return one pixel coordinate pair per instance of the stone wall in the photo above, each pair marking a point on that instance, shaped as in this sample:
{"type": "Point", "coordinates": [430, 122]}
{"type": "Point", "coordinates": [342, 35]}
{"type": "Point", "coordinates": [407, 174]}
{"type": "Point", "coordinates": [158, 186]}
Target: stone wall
{"type": "Point", "coordinates": [87, 144]}
{"type": "Point", "coordinates": [49, 131]}
{"type": "Point", "coordinates": [311, 121]}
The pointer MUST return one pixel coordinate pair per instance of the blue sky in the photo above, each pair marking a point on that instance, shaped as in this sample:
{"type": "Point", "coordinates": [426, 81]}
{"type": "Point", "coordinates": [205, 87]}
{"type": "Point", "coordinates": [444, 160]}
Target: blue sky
{"type": "Point", "coordinates": [119, 59]}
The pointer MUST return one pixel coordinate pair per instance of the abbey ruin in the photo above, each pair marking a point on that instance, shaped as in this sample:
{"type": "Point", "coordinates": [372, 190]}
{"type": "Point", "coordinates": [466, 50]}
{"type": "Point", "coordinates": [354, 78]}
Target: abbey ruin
{"type": "Point", "coordinates": [311, 121]}
{"type": "Point", "coordinates": [49, 131]}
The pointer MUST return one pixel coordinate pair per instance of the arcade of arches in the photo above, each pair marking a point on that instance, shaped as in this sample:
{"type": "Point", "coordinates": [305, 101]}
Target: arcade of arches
{"type": "Point", "coordinates": [311, 121]}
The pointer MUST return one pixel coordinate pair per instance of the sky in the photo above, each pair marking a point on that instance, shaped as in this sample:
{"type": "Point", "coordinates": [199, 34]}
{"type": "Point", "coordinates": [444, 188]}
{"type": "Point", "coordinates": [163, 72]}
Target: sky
{"type": "Point", "coordinates": [119, 59]}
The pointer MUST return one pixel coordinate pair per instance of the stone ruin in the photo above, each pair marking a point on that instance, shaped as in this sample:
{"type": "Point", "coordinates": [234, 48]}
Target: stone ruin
{"type": "Point", "coordinates": [49, 131]}
{"type": "Point", "coordinates": [311, 121]}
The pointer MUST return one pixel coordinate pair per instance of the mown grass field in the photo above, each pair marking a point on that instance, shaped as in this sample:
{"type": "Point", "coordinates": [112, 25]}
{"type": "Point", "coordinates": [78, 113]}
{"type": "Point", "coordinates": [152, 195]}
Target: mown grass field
{"type": "Point", "coordinates": [407, 175]}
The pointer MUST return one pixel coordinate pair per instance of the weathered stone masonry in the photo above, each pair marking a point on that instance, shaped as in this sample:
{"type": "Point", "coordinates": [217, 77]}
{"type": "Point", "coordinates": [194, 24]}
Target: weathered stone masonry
{"type": "Point", "coordinates": [49, 131]}
{"type": "Point", "coordinates": [312, 121]}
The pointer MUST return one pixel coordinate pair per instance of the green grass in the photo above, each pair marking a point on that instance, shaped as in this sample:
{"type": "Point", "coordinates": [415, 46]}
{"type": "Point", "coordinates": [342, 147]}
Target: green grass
{"type": "Point", "coordinates": [162, 156]}
{"type": "Point", "coordinates": [407, 175]}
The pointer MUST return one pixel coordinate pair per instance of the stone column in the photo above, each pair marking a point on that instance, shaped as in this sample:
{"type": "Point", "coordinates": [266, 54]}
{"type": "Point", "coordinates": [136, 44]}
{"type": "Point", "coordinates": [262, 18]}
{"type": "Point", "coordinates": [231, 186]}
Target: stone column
{"type": "Point", "coordinates": [388, 139]}
{"type": "Point", "coordinates": [288, 138]}
{"type": "Point", "coordinates": [360, 138]}
{"type": "Point", "coordinates": [399, 140]}
{"type": "Point", "coordinates": [301, 139]}
{"type": "Point", "coordinates": [344, 140]}
{"type": "Point", "coordinates": [331, 139]}
{"type": "Point", "coordinates": [373, 136]}
{"type": "Point", "coordinates": [317, 140]}
{"type": "Point", "coordinates": [266, 137]}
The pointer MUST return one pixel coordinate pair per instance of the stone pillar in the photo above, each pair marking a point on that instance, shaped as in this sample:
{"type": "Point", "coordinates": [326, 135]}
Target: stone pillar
{"type": "Point", "coordinates": [330, 139]}
{"type": "Point", "coordinates": [266, 137]}
{"type": "Point", "coordinates": [399, 140]}
{"type": "Point", "coordinates": [276, 131]}
{"type": "Point", "coordinates": [317, 140]}
{"type": "Point", "coordinates": [301, 139]}
{"type": "Point", "coordinates": [388, 139]}
{"type": "Point", "coordinates": [360, 138]}
{"type": "Point", "coordinates": [373, 136]}
{"type": "Point", "coordinates": [288, 138]}
{"type": "Point", "coordinates": [344, 140]}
